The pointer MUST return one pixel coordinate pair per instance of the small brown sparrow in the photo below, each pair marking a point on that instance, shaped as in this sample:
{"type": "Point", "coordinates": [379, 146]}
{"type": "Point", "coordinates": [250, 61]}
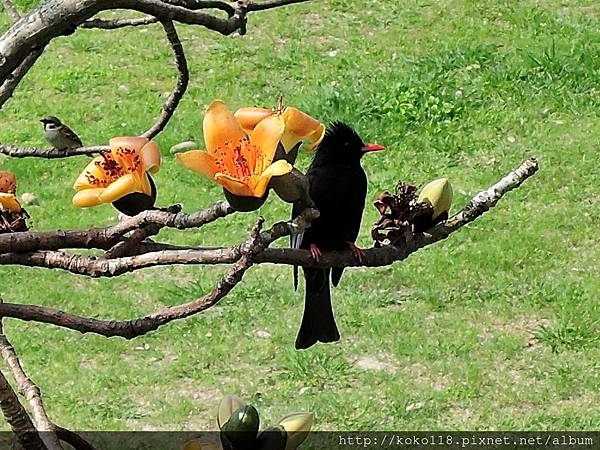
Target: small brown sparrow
{"type": "Point", "coordinates": [59, 135]}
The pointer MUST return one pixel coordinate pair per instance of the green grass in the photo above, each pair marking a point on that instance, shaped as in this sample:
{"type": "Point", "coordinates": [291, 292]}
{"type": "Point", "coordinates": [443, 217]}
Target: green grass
{"type": "Point", "coordinates": [494, 328]}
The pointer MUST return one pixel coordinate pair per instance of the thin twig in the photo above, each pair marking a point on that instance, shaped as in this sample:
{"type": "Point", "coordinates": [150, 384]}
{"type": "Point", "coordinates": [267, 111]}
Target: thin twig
{"type": "Point", "coordinates": [11, 10]}
{"type": "Point", "coordinates": [183, 79]}
{"type": "Point", "coordinates": [12, 81]}
{"type": "Point", "coordinates": [261, 6]}
{"type": "Point", "coordinates": [31, 392]}
{"type": "Point", "coordinates": [51, 153]}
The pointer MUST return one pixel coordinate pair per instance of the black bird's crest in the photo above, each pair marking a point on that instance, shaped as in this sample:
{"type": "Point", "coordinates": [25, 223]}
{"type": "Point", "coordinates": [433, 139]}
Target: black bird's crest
{"type": "Point", "coordinates": [340, 143]}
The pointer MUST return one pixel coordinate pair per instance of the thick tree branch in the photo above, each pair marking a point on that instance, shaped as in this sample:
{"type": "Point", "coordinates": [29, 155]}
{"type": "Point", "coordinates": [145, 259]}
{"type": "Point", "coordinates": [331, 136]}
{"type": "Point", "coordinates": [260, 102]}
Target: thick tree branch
{"type": "Point", "coordinates": [73, 439]}
{"type": "Point", "coordinates": [31, 392]}
{"type": "Point", "coordinates": [118, 23]}
{"type": "Point", "coordinates": [61, 17]}
{"type": "Point", "coordinates": [17, 418]}
{"type": "Point", "coordinates": [255, 250]}
{"type": "Point", "coordinates": [105, 238]}
{"type": "Point", "coordinates": [167, 255]}
{"type": "Point", "coordinates": [182, 82]}
{"type": "Point", "coordinates": [111, 266]}
{"type": "Point", "coordinates": [129, 329]}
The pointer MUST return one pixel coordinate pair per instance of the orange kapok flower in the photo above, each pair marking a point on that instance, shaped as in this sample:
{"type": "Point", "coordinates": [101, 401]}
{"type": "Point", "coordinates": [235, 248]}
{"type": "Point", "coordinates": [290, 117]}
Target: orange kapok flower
{"type": "Point", "coordinates": [299, 126]}
{"type": "Point", "coordinates": [242, 163]}
{"type": "Point", "coordinates": [8, 187]}
{"type": "Point", "coordinates": [119, 172]}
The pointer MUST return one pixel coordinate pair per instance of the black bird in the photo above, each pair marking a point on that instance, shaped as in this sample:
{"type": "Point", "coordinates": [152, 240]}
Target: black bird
{"type": "Point", "coordinates": [338, 187]}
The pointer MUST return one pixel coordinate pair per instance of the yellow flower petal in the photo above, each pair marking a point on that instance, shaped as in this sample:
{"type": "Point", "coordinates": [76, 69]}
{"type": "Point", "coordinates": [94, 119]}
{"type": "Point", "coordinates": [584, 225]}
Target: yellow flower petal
{"type": "Point", "coordinates": [234, 186]}
{"type": "Point", "coordinates": [315, 138]}
{"type": "Point", "coordinates": [150, 154]}
{"type": "Point", "coordinates": [92, 169]}
{"type": "Point", "coordinates": [266, 136]}
{"type": "Point", "coordinates": [88, 197]}
{"type": "Point", "coordinates": [220, 127]}
{"type": "Point", "coordinates": [299, 126]}
{"type": "Point", "coordinates": [249, 117]}
{"type": "Point", "coordinates": [127, 184]}
{"type": "Point", "coordinates": [280, 167]}
{"type": "Point", "coordinates": [200, 162]}
{"type": "Point", "coordinates": [146, 186]}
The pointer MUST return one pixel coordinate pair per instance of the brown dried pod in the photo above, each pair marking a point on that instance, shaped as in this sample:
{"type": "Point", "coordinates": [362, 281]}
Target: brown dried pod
{"type": "Point", "coordinates": [401, 216]}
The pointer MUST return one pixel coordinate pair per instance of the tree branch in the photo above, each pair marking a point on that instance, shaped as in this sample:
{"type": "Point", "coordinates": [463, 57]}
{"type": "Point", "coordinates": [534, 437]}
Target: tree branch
{"type": "Point", "coordinates": [254, 250]}
{"type": "Point", "coordinates": [52, 153]}
{"type": "Point", "coordinates": [261, 6]}
{"type": "Point", "coordinates": [104, 238]}
{"type": "Point", "coordinates": [129, 329]}
{"type": "Point", "coordinates": [73, 439]}
{"type": "Point", "coordinates": [12, 81]}
{"type": "Point", "coordinates": [182, 81]}
{"type": "Point", "coordinates": [118, 23]}
{"type": "Point", "coordinates": [17, 418]}
{"type": "Point", "coordinates": [61, 17]}
{"type": "Point", "coordinates": [167, 255]}
{"type": "Point", "coordinates": [11, 10]}
{"type": "Point", "coordinates": [31, 392]}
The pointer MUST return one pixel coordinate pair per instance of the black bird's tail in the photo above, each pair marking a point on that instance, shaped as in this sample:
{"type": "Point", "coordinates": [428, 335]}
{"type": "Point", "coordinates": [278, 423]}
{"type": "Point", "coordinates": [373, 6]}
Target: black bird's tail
{"type": "Point", "coordinates": [318, 323]}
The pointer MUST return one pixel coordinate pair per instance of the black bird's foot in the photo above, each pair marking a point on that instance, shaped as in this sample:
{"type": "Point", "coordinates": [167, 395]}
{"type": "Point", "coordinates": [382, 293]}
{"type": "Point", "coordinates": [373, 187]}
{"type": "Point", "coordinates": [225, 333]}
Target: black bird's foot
{"type": "Point", "coordinates": [315, 252]}
{"type": "Point", "coordinates": [358, 253]}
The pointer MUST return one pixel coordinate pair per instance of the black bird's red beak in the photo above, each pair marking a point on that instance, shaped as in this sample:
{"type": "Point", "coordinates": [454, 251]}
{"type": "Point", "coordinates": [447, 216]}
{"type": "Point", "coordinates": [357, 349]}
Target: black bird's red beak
{"type": "Point", "coordinates": [372, 148]}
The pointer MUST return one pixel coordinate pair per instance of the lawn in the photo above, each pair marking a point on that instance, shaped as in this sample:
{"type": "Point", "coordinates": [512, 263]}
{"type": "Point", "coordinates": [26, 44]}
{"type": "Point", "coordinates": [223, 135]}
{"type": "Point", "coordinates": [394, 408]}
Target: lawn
{"type": "Point", "coordinates": [495, 328]}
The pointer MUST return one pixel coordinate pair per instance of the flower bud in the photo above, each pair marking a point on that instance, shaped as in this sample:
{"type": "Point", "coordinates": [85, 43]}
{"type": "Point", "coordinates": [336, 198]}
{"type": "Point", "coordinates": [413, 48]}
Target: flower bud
{"type": "Point", "coordinates": [297, 426]}
{"type": "Point", "coordinates": [438, 193]}
{"type": "Point", "coordinates": [183, 147]}
{"type": "Point", "coordinates": [228, 405]}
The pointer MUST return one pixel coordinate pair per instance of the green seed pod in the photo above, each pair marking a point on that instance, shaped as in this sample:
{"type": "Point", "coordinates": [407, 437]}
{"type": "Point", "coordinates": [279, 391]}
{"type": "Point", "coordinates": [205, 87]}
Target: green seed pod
{"type": "Point", "coordinates": [438, 194]}
{"type": "Point", "coordinates": [240, 431]}
{"type": "Point", "coordinates": [297, 426]}
{"type": "Point", "coordinates": [183, 147]}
